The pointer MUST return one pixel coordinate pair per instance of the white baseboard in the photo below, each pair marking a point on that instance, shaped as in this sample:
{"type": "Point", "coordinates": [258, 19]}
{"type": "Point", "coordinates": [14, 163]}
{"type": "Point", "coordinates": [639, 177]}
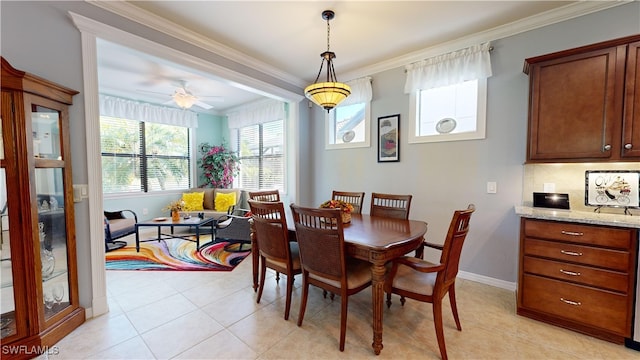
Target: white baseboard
{"type": "Point", "coordinates": [511, 286]}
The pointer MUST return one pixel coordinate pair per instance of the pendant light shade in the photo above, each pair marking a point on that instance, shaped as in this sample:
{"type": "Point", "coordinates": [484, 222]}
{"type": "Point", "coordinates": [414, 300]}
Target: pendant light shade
{"type": "Point", "coordinates": [330, 93]}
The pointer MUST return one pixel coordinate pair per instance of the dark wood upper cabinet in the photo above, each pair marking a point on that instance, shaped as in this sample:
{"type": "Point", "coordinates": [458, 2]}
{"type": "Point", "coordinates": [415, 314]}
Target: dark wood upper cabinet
{"type": "Point", "coordinates": [584, 103]}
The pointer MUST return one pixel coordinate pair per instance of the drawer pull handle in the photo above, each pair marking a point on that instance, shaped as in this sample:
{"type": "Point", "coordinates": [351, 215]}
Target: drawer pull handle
{"type": "Point", "coordinates": [572, 233]}
{"type": "Point", "coordinates": [572, 273]}
{"type": "Point", "coordinates": [572, 253]}
{"type": "Point", "coordinates": [571, 302]}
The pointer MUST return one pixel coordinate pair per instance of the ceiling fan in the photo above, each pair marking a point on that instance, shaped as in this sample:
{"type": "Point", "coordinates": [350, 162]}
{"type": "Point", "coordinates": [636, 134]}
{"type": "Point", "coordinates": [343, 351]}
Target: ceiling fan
{"type": "Point", "coordinates": [185, 99]}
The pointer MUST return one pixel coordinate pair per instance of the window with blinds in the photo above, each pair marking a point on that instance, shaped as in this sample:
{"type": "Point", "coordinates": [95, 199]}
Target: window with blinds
{"type": "Point", "coordinates": [261, 149]}
{"type": "Point", "coordinates": [143, 156]}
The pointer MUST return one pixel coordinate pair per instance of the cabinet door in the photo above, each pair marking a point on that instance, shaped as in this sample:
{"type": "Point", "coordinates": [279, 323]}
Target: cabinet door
{"type": "Point", "coordinates": [575, 105]}
{"type": "Point", "coordinates": [631, 129]}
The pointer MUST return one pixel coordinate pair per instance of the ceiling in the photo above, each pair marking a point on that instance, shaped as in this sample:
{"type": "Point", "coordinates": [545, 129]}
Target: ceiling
{"type": "Point", "coordinates": [290, 35]}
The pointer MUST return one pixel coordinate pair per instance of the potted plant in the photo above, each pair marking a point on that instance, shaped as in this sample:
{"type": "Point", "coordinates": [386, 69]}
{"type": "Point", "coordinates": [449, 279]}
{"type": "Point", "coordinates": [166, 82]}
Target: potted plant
{"type": "Point", "coordinates": [219, 165]}
{"type": "Point", "coordinates": [174, 208]}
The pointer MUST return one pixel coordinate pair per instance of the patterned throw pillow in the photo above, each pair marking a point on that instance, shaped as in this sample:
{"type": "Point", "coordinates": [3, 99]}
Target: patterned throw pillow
{"type": "Point", "coordinates": [193, 201]}
{"type": "Point", "coordinates": [225, 201]}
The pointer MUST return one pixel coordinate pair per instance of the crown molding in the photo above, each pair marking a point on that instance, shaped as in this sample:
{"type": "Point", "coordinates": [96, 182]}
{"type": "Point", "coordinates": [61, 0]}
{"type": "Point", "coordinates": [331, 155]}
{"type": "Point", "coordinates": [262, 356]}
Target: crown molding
{"type": "Point", "coordinates": [549, 17]}
{"type": "Point", "coordinates": [178, 31]}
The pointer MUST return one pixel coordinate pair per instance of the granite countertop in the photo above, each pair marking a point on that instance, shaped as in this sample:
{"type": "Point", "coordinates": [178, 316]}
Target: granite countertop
{"type": "Point", "coordinates": [584, 217]}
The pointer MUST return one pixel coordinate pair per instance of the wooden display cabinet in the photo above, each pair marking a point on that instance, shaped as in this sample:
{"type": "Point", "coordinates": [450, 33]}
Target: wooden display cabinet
{"type": "Point", "coordinates": [584, 103]}
{"type": "Point", "coordinates": [39, 282]}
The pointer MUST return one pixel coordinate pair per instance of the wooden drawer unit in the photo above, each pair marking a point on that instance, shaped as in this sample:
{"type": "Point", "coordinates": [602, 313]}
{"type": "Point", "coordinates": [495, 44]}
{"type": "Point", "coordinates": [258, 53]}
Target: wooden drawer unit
{"type": "Point", "coordinates": [578, 276]}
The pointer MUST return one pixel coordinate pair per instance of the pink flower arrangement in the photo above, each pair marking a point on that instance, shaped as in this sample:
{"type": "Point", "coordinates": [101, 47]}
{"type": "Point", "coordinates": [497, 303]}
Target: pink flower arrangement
{"type": "Point", "coordinates": [219, 166]}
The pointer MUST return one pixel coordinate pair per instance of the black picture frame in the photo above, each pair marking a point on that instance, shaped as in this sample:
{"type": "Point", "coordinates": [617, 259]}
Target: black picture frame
{"type": "Point", "coordinates": [389, 138]}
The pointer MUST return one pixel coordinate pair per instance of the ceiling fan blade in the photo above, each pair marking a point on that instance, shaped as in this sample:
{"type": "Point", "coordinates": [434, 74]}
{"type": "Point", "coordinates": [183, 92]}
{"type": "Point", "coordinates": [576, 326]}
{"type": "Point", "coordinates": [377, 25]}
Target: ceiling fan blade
{"type": "Point", "coordinates": [203, 105]}
{"type": "Point", "coordinates": [212, 98]}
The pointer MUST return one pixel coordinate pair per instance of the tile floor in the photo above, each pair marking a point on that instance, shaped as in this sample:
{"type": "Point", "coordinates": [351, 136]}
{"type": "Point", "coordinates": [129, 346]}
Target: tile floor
{"type": "Point", "coordinates": [214, 315]}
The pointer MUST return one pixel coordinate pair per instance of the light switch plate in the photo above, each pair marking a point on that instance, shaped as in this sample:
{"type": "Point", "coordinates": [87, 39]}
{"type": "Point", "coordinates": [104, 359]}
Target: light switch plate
{"type": "Point", "coordinates": [492, 187]}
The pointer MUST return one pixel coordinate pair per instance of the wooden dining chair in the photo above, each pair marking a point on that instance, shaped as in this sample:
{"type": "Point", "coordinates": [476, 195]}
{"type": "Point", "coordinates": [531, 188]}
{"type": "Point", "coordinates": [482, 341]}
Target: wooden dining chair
{"type": "Point", "coordinates": [266, 195]}
{"type": "Point", "coordinates": [354, 198]}
{"type": "Point", "coordinates": [390, 205]}
{"type": "Point", "coordinates": [324, 263]}
{"type": "Point", "coordinates": [276, 251]}
{"type": "Point", "coordinates": [421, 280]}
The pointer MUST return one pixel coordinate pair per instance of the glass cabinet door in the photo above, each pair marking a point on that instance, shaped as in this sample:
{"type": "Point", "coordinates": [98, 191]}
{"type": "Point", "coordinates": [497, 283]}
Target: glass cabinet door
{"type": "Point", "coordinates": [51, 207]}
{"type": "Point", "coordinates": [7, 296]}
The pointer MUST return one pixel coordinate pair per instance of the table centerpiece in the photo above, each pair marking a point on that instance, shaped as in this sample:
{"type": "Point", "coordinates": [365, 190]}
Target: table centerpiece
{"type": "Point", "coordinates": [346, 208]}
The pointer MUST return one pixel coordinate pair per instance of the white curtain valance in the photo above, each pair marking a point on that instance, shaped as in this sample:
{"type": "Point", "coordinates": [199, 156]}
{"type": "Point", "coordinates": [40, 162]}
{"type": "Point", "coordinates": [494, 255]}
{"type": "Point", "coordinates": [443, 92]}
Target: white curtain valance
{"type": "Point", "coordinates": [360, 91]}
{"type": "Point", "coordinates": [133, 110]}
{"type": "Point", "coordinates": [261, 112]}
{"type": "Point", "coordinates": [448, 69]}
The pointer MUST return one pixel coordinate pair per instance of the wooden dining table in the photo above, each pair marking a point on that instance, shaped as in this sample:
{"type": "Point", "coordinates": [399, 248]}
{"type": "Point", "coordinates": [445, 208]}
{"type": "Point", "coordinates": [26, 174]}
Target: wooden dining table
{"type": "Point", "coordinates": [376, 240]}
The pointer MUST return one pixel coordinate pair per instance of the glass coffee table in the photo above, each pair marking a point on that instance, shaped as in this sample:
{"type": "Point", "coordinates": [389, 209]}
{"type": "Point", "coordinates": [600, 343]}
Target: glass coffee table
{"type": "Point", "coordinates": [161, 222]}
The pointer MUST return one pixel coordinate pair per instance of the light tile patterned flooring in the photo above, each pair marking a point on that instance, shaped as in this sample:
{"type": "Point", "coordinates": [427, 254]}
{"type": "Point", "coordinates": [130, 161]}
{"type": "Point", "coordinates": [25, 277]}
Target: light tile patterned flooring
{"type": "Point", "coordinates": [214, 315]}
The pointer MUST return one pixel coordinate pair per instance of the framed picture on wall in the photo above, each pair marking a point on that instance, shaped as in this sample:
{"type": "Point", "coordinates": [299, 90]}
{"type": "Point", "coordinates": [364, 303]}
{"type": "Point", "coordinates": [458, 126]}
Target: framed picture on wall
{"type": "Point", "coordinates": [612, 188]}
{"type": "Point", "coordinates": [389, 138]}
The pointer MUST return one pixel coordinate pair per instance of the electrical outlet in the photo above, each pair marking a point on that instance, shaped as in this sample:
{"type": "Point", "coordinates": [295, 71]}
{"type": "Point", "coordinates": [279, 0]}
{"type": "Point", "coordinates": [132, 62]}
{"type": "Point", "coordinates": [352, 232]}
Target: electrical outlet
{"type": "Point", "coordinates": [492, 187]}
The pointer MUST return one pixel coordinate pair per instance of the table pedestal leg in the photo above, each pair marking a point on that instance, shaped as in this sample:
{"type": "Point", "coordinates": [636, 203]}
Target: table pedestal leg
{"type": "Point", "coordinates": [377, 292]}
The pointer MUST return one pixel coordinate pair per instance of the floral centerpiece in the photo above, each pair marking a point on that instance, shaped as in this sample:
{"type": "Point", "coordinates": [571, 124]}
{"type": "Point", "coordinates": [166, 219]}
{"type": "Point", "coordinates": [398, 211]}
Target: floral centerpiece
{"type": "Point", "coordinates": [174, 208]}
{"type": "Point", "coordinates": [219, 165]}
{"type": "Point", "coordinates": [346, 208]}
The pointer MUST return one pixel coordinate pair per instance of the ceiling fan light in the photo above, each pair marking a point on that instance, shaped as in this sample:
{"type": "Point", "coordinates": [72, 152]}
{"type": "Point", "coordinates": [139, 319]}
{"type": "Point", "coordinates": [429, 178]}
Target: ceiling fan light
{"type": "Point", "coordinates": [184, 100]}
{"type": "Point", "coordinates": [327, 94]}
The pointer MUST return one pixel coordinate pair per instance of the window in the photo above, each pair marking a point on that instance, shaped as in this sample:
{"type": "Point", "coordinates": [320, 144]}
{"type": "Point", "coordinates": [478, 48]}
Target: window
{"type": "Point", "coordinates": [142, 156]}
{"type": "Point", "coordinates": [451, 112]}
{"type": "Point", "coordinates": [348, 124]}
{"type": "Point", "coordinates": [449, 95]}
{"type": "Point", "coordinates": [261, 148]}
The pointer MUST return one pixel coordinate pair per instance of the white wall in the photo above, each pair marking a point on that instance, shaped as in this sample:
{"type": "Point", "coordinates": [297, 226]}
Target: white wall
{"type": "Point", "coordinates": [446, 176]}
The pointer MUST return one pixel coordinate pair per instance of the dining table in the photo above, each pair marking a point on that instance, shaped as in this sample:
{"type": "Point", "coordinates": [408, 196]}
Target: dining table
{"type": "Point", "coordinates": [375, 239]}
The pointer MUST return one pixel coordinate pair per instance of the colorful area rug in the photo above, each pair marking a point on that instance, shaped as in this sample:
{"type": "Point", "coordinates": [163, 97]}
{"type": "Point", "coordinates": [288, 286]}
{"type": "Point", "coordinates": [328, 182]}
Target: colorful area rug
{"type": "Point", "coordinates": [178, 254]}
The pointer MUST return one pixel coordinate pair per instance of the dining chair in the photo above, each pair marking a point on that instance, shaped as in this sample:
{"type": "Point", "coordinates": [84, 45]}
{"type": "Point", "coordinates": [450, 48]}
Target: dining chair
{"type": "Point", "coordinates": [390, 205]}
{"type": "Point", "coordinates": [265, 195]}
{"type": "Point", "coordinates": [276, 251]}
{"type": "Point", "coordinates": [320, 236]}
{"type": "Point", "coordinates": [354, 198]}
{"type": "Point", "coordinates": [421, 280]}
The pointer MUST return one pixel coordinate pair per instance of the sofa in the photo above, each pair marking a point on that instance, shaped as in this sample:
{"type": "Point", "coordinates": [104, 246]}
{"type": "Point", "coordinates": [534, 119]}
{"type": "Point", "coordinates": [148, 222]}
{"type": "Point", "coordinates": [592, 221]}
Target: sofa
{"type": "Point", "coordinates": [204, 200]}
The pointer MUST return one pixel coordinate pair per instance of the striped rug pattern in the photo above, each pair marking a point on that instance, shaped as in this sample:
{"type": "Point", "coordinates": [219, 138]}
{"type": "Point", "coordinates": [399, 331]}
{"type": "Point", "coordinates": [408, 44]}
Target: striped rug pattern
{"type": "Point", "coordinates": [177, 254]}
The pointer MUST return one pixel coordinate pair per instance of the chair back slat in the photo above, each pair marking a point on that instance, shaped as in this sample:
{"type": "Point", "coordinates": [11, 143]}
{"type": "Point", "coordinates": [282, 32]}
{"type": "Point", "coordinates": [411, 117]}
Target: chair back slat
{"type": "Point", "coordinates": [390, 205]}
{"type": "Point", "coordinates": [354, 198]}
{"type": "Point", "coordinates": [452, 247]}
{"type": "Point", "coordinates": [270, 226]}
{"type": "Point", "coordinates": [266, 195]}
{"type": "Point", "coordinates": [321, 241]}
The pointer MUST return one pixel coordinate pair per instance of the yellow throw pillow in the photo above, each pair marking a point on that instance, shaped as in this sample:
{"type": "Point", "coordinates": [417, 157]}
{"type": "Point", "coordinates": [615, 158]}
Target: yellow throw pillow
{"type": "Point", "coordinates": [225, 201]}
{"type": "Point", "coordinates": [193, 201]}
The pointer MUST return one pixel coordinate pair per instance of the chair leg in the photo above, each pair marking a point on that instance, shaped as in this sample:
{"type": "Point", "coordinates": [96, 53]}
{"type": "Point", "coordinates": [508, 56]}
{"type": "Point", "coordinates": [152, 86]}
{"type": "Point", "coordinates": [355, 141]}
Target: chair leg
{"type": "Point", "coordinates": [388, 300]}
{"type": "Point", "coordinates": [263, 273]}
{"type": "Point", "coordinates": [277, 276]}
{"type": "Point", "coordinates": [289, 291]}
{"type": "Point", "coordinates": [454, 307]}
{"type": "Point", "coordinates": [437, 320]}
{"type": "Point", "coordinates": [303, 301]}
{"type": "Point", "coordinates": [343, 318]}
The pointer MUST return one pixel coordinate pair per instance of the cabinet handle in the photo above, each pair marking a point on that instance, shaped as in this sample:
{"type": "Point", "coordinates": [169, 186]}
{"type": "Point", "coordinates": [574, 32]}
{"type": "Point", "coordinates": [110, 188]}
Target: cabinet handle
{"type": "Point", "coordinates": [628, 146]}
{"type": "Point", "coordinates": [572, 233]}
{"type": "Point", "coordinates": [572, 253]}
{"type": "Point", "coordinates": [572, 273]}
{"type": "Point", "coordinates": [571, 302]}
{"type": "Point", "coordinates": [607, 147]}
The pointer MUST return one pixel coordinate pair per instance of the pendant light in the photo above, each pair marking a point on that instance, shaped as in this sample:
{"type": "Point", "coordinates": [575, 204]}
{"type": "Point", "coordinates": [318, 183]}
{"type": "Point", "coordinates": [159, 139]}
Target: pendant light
{"type": "Point", "coordinates": [330, 93]}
